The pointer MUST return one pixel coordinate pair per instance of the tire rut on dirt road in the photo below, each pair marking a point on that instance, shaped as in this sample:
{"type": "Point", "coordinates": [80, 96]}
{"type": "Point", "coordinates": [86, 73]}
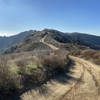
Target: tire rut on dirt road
{"type": "Point", "coordinates": [72, 87]}
{"type": "Point", "coordinates": [95, 80]}
{"type": "Point", "coordinates": [89, 88]}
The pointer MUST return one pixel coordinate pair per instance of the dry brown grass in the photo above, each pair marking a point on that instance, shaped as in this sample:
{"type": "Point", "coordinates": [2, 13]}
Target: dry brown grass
{"type": "Point", "coordinates": [54, 63]}
{"type": "Point", "coordinates": [91, 55]}
{"type": "Point", "coordinates": [31, 72]}
{"type": "Point", "coordinates": [9, 82]}
{"type": "Point", "coordinates": [43, 70]}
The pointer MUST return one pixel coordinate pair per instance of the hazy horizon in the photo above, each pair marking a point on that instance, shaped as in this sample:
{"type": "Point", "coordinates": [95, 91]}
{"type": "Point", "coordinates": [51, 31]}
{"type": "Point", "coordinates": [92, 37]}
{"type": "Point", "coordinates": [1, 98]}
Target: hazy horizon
{"type": "Point", "coordinates": [64, 15]}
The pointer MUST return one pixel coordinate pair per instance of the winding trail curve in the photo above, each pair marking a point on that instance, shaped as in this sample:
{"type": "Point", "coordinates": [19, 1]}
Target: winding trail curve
{"type": "Point", "coordinates": [50, 45]}
{"type": "Point", "coordinates": [89, 87]}
{"type": "Point", "coordinates": [83, 83]}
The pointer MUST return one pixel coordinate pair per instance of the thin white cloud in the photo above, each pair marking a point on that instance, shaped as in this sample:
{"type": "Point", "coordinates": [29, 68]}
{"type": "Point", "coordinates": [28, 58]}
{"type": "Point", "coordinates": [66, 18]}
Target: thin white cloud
{"type": "Point", "coordinates": [6, 34]}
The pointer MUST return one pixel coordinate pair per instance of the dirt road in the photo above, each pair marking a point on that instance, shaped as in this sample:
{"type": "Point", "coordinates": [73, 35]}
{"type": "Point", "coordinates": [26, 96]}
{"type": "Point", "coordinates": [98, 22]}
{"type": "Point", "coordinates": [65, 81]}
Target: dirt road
{"type": "Point", "coordinates": [89, 87]}
{"type": "Point", "coordinates": [81, 83]}
{"type": "Point", "coordinates": [50, 45]}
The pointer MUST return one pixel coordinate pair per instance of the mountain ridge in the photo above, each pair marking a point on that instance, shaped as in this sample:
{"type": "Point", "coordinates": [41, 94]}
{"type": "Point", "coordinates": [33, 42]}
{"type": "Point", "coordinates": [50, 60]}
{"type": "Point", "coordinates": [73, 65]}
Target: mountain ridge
{"type": "Point", "coordinates": [57, 39]}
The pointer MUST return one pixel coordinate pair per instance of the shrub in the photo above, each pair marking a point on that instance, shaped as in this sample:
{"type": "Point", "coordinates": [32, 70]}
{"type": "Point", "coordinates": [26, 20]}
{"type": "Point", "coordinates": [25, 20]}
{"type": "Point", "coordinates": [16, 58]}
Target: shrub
{"type": "Point", "coordinates": [32, 74]}
{"type": "Point", "coordinates": [54, 63]}
{"type": "Point", "coordinates": [34, 78]}
{"type": "Point", "coordinates": [21, 63]}
{"type": "Point", "coordinates": [46, 68]}
{"type": "Point", "coordinates": [91, 55]}
{"type": "Point", "coordinates": [29, 75]}
{"type": "Point", "coordinates": [9, 82]}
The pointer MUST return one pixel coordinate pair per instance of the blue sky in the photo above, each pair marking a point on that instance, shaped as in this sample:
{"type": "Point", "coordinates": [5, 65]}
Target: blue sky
{"type": "Point", "coordinates": [64, 15]}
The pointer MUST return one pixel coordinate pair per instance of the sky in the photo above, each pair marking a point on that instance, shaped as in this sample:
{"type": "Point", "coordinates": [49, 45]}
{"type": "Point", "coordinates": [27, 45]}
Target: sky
{"type": "Point", "coordinates": [63, 15]}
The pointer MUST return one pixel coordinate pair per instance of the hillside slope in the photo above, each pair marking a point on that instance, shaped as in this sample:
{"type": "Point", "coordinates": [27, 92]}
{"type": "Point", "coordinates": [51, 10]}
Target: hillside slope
{"type": "Point", "coordinates": [7, 42]}
{"type": "Point", "coordinates": [91, 41]}
{"type": "Point", "coordinates": [67, 41]}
